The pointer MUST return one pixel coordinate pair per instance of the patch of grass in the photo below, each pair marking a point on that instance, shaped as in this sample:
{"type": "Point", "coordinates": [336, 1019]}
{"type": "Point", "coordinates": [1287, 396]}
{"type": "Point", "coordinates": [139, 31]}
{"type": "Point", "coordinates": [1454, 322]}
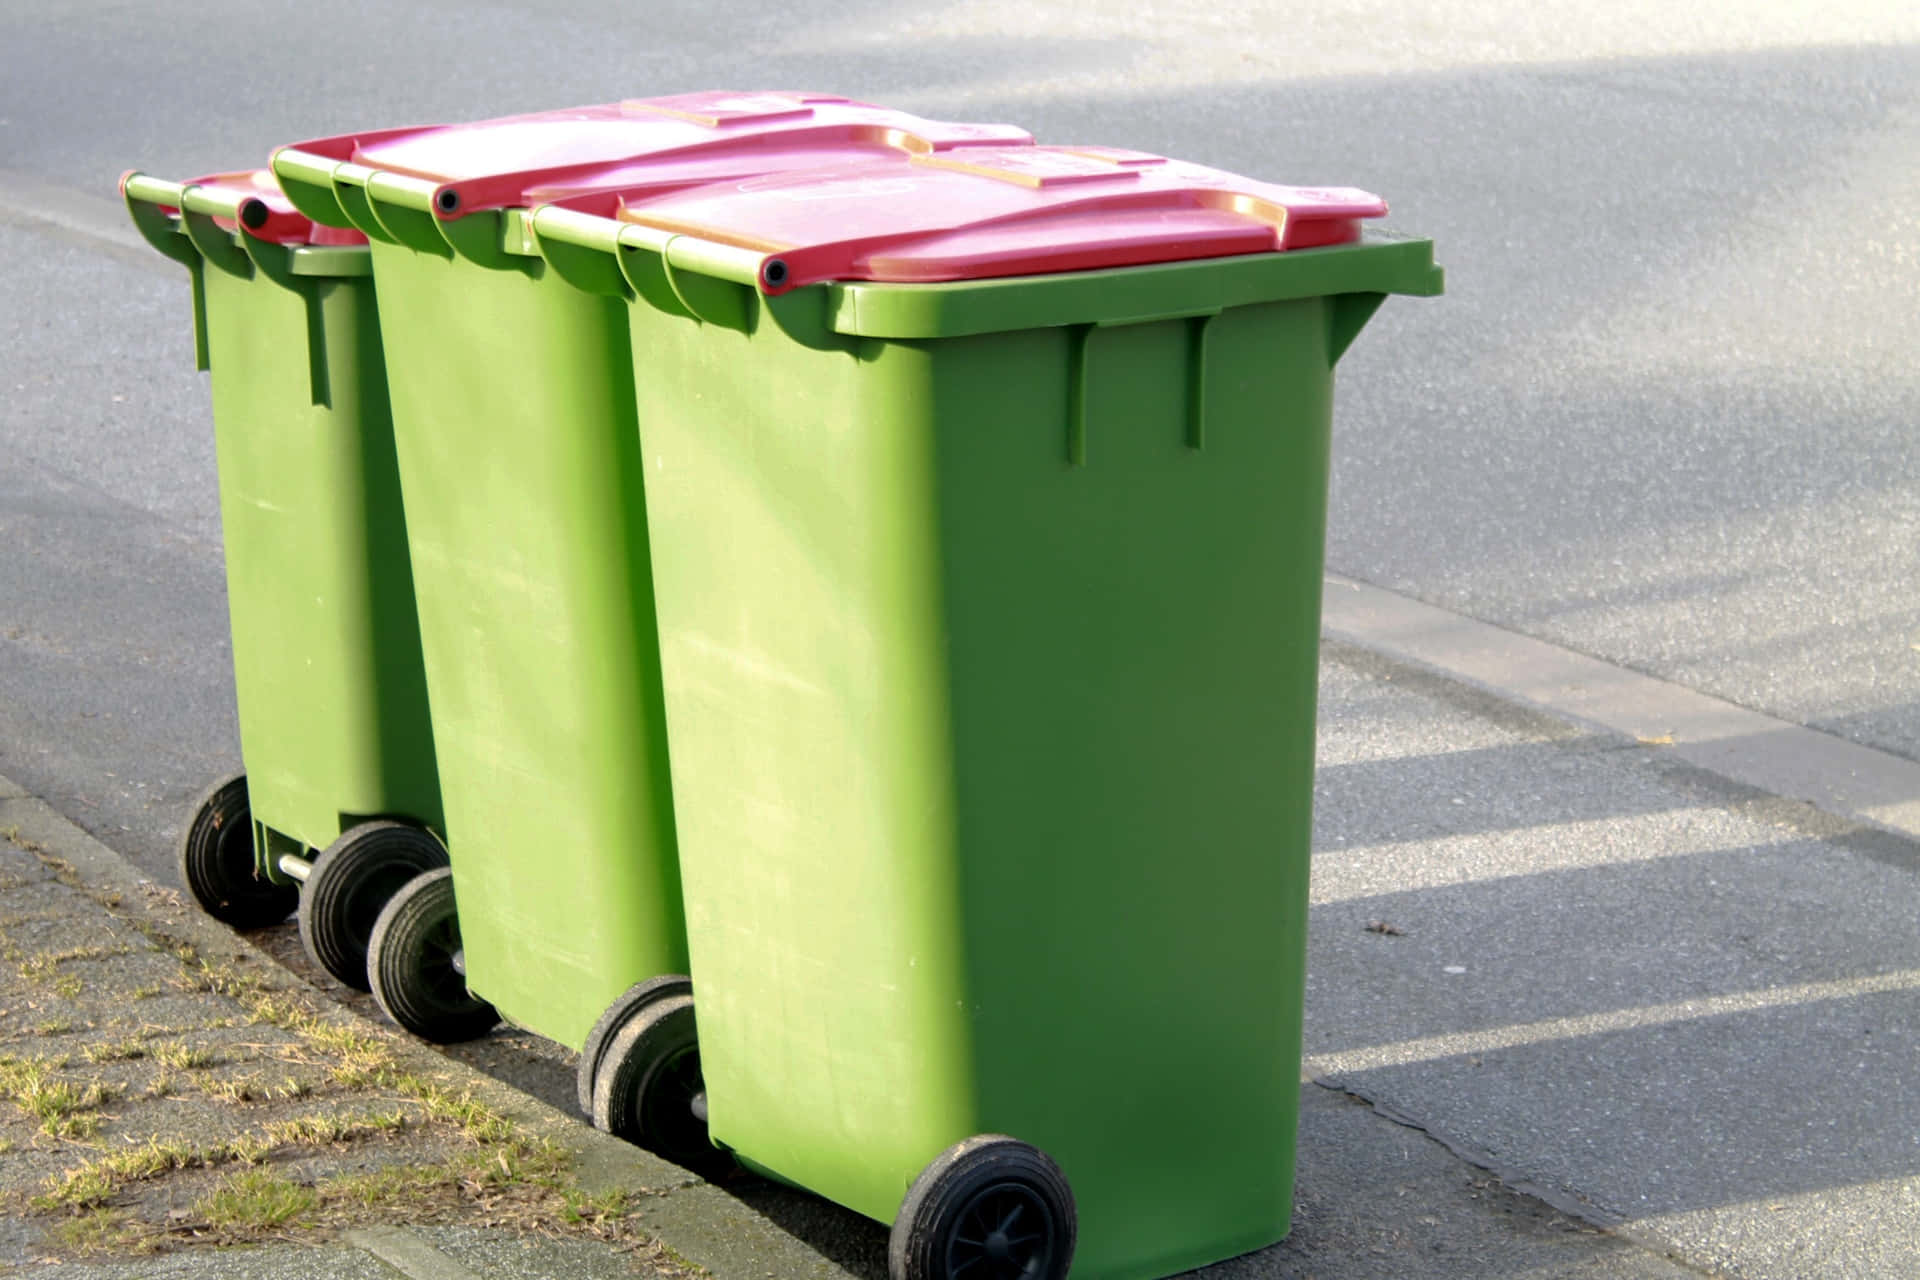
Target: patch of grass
{"type": "Point", "coordinates": [543, 1163]}
{"type": "Point", "coordinates": [393, 1185]}
{"type": "Point", "coordinates": [576, 1206]}
{"type": "Point", "coordinates": [237, 1090]}
{"type": "Point", "coordinates": [53, 1027]}
{"type": "Point", "coordinates": [44, 968]}
{"type": "Point", "coordinates": [36, 968]}
{"type": "Point", "coordinates": [101, 1231]}
{"type": "Point", "coordinates": [115, 1051]}
{"type": "Point", "coordinates": [259, 1200]}
{"type": "Point", "coordinates": [476, 1121]}
{"type": "Point", "coordinates": [64, 1108]}
{"type": "Point", "coordinates": [496, 1170]}
{"type": "Point", "coordinates": [82, 1187]}
{"type": "Point", "coordinates": [244, 1089]}
{"type": "Point", "coordinates": [275, 1011]}
{"type": "Point", "coordinates": [319, 1129]}
{"type": "Point", "coordinates": [182, 1057]}
{"type": "Point", "coordinates": [247, 1149]}
{"type": "Point", "coordinates": [154, 1157]}
{"type": "Point", "coordinates": [96, 1181]}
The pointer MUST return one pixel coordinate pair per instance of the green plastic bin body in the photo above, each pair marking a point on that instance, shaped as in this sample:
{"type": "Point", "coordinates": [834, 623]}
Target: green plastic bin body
{"type": "Point", "coordinates": [519, 456]}
{"type": "Point", "coordinates": [334, 723]}
{"type": "Point", "coordinates": [989, 621]}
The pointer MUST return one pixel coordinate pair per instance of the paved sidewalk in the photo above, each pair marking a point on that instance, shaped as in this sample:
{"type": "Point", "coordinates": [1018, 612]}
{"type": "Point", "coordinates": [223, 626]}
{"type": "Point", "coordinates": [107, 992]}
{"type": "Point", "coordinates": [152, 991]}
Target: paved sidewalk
{"type": "Point", "coordinates": [173, 1103]}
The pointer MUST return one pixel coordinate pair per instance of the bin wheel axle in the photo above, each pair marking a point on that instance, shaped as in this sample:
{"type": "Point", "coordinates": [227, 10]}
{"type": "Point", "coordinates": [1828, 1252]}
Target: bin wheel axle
{"type": "Point", "coordinates": [632, 1002]}
{"type": "Point", "coordinates": [414, 963]}
{"type": "Point", "coordinates": [217, 863]}
{"type": "Point", "coordinates": [650, 1091]}
{"type": "Point", "coordinates": [350, 882]}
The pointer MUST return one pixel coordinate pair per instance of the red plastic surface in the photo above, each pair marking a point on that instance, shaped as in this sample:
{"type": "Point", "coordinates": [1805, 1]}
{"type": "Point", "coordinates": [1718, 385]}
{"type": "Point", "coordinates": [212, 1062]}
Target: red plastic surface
{"type": "Point", "coordinates": [516, 160]}
{"type": "Point", "coordinates": [988, 212]}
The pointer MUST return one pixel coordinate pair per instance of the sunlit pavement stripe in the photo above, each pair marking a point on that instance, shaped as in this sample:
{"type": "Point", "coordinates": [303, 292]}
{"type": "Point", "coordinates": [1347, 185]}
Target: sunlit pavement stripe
{"type": "Point", "coordinates": [1347, 873]}
{"type": "Point", "coordinates": [1494, 1039]}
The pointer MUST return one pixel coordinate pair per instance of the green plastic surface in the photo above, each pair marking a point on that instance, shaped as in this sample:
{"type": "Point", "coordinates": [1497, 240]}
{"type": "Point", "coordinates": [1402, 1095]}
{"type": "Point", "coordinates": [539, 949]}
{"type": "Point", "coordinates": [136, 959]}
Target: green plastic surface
{"type": "Point", "coordinates": [513, 410]}
{"type": "Point", "coordinates": [334, 722]}
{"type": "Point", "coordinates": [990, 664]}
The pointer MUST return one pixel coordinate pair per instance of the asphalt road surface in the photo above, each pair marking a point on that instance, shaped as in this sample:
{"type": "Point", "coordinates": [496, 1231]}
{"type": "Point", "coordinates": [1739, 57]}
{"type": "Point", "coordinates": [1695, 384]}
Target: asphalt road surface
{"type": "Point", "coordinates": [1666, 415]}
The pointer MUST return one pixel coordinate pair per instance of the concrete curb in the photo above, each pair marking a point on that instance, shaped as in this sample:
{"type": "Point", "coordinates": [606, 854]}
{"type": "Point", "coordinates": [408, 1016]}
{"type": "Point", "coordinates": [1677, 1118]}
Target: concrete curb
{"type": "Point", "coordinates": [80, 218]}
{"type": "Point", "coordinates": [1778, 757]}
{"type": "Point", "coordinates": [698, 1221]}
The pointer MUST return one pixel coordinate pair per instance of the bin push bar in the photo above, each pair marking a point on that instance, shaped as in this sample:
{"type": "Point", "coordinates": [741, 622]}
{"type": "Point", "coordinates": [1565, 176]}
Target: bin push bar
{"type": "Point", "coordinates": [424, 187]}
{"type": "Point", "coordinates": [976, 213]}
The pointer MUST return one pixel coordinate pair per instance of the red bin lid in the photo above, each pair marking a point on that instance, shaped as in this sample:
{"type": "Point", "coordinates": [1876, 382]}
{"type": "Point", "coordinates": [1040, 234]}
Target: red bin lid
{"type": "Point", "coordinates": [988, 212]}
{"type": "Point", "coordinates": [264, 211]}
{"type": "Point", "coordinates": [492, 164]}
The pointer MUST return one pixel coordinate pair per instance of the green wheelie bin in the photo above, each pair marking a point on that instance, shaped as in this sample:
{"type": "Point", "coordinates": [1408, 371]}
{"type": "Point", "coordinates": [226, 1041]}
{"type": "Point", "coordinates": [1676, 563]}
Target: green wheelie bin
{"type": "Point", "coordinates": [340, 789]}
{"type": "Point", "coordinates": [986, 496]}
{"type": "Point", "coordinates": [520, 463]}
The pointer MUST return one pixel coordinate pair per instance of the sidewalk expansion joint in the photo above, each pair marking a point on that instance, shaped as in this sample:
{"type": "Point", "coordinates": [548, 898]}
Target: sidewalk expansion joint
{"type": "Point", "coordinates": [408, 1254]}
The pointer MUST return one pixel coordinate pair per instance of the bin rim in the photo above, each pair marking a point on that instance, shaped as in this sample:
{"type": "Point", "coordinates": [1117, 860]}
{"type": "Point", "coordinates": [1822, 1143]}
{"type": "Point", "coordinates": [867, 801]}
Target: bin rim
{"type": "Point", "coordinates": [206, 219]}
{"type": "Point", "coordinates": [1380, 262]}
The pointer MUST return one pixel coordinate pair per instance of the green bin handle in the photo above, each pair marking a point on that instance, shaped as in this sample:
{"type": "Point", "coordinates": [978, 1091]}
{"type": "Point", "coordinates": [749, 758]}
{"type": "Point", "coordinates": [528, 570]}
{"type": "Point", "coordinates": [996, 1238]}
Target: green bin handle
{"type": "Point", "coordinates": [189, 235]}
{"type": "Point", "coordinates": [149, 201]}
{"type": "Point", "coordinates": [307, 180]}
{"type": "Point", "coordinates": [583, 249]}
{"type": "Point", "coordinates": [349, 184]}
{"type": "Point", "coordinates": [195, 208]}
{"type": "Point", "coordinates": [680, 275]}
{"type": "Point", "coordinates": [403, 206]}
{"type": "Point", "coordinates": [157, 207]}
{"type": "Point", "coordinates": [394, 208]}
{"type": "Point", "coordinates": [717, 284]}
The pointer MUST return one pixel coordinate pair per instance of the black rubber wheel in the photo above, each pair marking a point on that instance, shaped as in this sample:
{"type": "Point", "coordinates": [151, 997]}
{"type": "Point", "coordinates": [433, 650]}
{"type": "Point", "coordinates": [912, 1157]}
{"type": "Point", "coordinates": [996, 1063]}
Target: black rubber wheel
{"type": "Point", "coordinates": [415, 965]}
{"type": "Point", "coordinates": [649, 1089]}
{"type": "Point", "coordinates": [217, 861]}
{"type": "Point", "coordinates": [622, 1011]}
{"type": "Point", "coordinates": [989, 1208]}
{"type": "Point", "coordinates": [351, 881]}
